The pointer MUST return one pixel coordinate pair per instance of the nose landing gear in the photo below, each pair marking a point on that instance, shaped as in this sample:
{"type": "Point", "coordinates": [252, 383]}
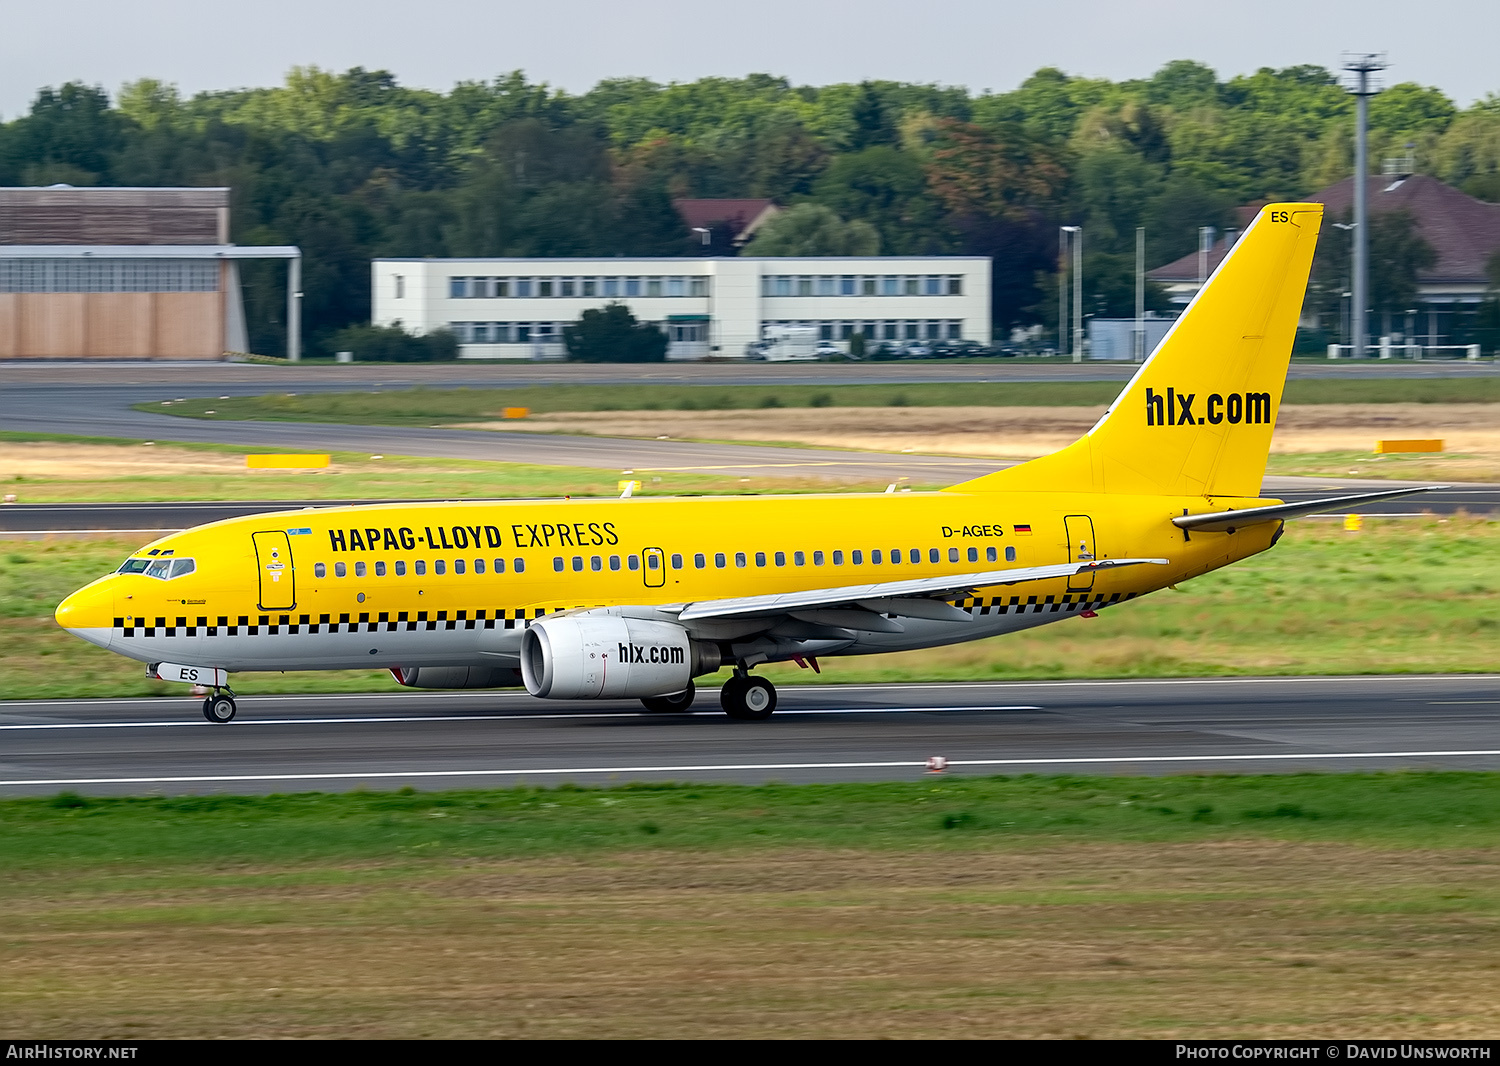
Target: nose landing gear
{"type": "Point", "coordinates": [219, 708]}
{"type": "Point", "coordinates": [750, 699]}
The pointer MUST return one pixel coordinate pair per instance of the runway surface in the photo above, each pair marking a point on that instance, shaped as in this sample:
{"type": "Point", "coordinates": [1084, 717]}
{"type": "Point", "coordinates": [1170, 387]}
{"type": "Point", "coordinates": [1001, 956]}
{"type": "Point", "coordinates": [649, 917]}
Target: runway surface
{"type": "Point", "coordinates": [832, 733]}
{"type": "Point", "coordinates": [96, 400]}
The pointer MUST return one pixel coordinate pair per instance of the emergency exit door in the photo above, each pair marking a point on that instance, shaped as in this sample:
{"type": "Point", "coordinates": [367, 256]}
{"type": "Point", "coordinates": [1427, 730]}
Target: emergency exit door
{"type": "Point", "coordinates": [1080, 530]}
{"type": "Point", "coordinates": [278, 578]}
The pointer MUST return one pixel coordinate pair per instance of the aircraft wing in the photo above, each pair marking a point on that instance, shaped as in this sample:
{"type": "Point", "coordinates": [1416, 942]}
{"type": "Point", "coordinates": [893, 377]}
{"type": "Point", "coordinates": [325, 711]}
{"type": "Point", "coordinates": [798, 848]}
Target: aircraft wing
{"type": "Point", "coordinates": [1229, 521]}
{"type": "Point", "coordinates": [916, 598]}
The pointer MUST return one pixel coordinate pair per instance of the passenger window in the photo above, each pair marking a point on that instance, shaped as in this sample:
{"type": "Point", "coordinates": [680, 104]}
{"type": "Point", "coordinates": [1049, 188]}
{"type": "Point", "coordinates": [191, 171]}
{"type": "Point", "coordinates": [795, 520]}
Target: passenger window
{"type": "Point", "coordinates": [596, 562]}
{"type": "Point", "coordinates": [676, 561]}
{"type": "Point", "coordinates": [817, 558]}
{"type": "Point", "coordinates": [499, 566]}
{"type": "Point", "coordinates": [875, 557]}
{"type": "Point", "coordinates": [478, 566]}
{"type": "Point", "coordinates": [719, 561]}
{"type": "Point", "coordinates": [699, 561]}
{"type": "Point", "coordinates": [838, 558]}
{"type": "Point", "coordinates": [359, 569]}
{"type": "Point", "coordinates": [458, 566]}
{"type": "Point", "coordinates": [989, 554]}
{"type": "Point", "coordinates": [895, 555]}
{"type": "Point", "coordinates": [520, 566]}
{"type": "Point", "coordinates": [634, 563]}
{"type": "Point", "coordinates": [419, 567]}
{"type": "Point", "coordinates": [760, 558]}
{"type": "Point", "coordinates": [557, 563]}
{"type": "Point", "coordinates": [614, 562]}
{"type": "Point", "coordinates": [916, 555]}
{"type": "Point", "coordinates": [439, 566]}
{"type": "Point", "coordinates": [320, 570]}
{"type": "Point", "coordinates": [933, 555]}
{"type": "Point", "coordinates": [578, 564]}
{"type": "Point", "coordinates": [739, 559]}
{"type": "Point", "coordinates": [400, 567]}
{"type": "Point", "coordinates": [953, 554]}
{"type": "Point", "coordinates": [338, 569]}
{"type": "Point", "coordinates": [799, 559]}
{"type": "Point", "coordinates": [380, 569]}
{"type": "Point", "coordinates": [974, 555]}
{"type": "Point", "coordinates": [857, 557]}
{"type": "Point", "coordinates": [1010, 555]}
{"type": "Point", "coordinates": [781, 558]}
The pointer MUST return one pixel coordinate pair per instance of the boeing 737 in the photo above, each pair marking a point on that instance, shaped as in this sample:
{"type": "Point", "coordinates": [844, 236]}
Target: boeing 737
{"type": "Point", "coordinates": [635, 597]}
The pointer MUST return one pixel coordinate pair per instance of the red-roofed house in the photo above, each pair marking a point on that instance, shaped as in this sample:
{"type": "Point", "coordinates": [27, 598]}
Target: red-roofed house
{"type": "Point", "coordinates": [1464, 234]}
{"type": "Point", "coordinates": [741, 217]}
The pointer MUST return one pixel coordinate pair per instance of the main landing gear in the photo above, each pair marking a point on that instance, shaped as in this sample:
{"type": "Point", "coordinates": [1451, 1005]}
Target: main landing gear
{"type": "Point", "coordinates": [750, 699]}
{"type": "Point", "coordinates": [219, 708]}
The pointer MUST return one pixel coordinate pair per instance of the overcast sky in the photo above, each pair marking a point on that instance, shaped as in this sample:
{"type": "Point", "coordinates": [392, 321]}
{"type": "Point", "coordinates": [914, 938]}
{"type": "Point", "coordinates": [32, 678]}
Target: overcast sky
{"type": "Point", "coordinates": [982, 44]}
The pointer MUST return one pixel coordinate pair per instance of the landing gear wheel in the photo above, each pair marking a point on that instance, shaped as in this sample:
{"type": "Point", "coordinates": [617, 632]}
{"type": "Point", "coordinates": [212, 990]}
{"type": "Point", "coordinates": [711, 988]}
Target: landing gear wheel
{"type": "Point", "coordinates": [750, 699]}
{"type": "Point", "coordinates": [219, 709]}
{"type": "Point", "coordinates": [677, 703]}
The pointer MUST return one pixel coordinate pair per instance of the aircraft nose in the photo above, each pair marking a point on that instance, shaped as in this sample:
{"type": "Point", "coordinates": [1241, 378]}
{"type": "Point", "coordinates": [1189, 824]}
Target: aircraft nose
{"type": "Point", "coordinates": [88, 613]}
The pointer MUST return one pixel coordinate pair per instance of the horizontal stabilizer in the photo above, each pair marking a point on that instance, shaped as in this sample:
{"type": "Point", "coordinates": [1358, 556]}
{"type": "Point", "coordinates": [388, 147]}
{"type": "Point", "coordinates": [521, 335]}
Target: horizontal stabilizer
{"type": "Point", "coordinates": [1229, 521]}
{"type": "Point", "coordinates": [854, 595]}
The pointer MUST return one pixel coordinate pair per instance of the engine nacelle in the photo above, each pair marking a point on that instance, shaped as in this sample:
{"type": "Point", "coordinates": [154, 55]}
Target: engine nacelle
{"type": "Point", "coordinates": [456, 676]}
{"type": "Point", "coordinates": [588, 657]}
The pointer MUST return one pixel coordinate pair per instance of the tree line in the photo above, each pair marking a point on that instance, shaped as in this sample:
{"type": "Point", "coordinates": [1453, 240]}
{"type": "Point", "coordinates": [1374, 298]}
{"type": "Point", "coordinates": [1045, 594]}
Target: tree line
{"type": "Point", "coordinates": [355, 166]}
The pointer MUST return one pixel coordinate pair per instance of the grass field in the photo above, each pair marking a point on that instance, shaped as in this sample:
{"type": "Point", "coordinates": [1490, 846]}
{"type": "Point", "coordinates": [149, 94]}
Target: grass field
{"type": "Point", "coordinates": [1232, 907]}
{"type": "Point", "coordinates": [424, 406]}
{"type": "Point", "coordinates": [1402, 596]}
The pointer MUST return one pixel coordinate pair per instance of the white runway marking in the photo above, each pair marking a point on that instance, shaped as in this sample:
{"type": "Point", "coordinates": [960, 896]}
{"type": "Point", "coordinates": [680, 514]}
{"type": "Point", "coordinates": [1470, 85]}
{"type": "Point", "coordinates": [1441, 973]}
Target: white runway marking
{"type": "Point", "coordinates": [158, 701]}
{"type": "Point", "coordinates": [553, 716]}
{"type": "Point", "coordinates": [720, 767]}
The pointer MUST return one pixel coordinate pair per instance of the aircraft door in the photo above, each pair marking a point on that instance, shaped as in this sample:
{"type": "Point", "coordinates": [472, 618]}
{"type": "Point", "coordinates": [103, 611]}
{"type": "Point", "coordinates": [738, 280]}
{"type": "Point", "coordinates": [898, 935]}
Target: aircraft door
{"type": "Point", "coordinates": [653, 568]}
{"type": "Point", "coordinates": [1080, 531]}
{"type": "Point", "coordinates": [278, 580]}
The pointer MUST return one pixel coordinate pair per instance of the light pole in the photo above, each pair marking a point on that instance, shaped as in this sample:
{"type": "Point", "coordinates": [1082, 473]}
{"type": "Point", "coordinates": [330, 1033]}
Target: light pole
{"type": "Point", "coordinates": [1347, 227]}
{"type": "Point", "coordinates": [1138, 341]}
{"type": "Point", "coordinates": [1073, 235]}
{"type": "Point", "coordinates": [1362, 66]}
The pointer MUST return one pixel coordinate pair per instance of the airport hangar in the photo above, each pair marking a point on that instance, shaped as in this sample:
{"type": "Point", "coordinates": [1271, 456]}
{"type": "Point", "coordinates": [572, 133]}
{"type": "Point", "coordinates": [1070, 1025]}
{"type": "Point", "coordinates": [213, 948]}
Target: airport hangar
{"type": "Point", "coordinates": [122, 273]}
{"type": "Point", "coordinates": [708, 306]}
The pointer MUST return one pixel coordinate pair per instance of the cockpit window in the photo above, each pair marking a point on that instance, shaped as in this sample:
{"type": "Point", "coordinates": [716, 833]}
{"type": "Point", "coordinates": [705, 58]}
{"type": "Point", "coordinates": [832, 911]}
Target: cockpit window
{"type": "Point", "coordinates": [163, 568]}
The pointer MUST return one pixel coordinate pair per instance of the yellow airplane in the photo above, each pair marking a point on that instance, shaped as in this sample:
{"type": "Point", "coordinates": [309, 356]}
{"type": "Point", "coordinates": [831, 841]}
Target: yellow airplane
{"type": "Point", "coordinates": [634, 598]}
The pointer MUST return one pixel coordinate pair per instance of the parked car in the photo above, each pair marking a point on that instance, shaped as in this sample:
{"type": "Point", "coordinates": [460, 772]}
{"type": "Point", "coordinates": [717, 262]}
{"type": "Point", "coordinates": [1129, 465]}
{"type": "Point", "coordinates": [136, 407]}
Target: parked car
{"type": "Point", "coordinates": [828, 350]}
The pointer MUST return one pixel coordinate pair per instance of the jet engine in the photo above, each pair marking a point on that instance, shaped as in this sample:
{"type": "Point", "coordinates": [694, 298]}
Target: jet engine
{"type": "Point", "coordinates": [456, 676]}
{"type": "Point", "coordinates": [587, 657]}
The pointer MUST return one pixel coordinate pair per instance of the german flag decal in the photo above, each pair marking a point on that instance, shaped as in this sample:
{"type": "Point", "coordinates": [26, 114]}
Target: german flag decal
{"type": "Point", "coordinates": [1022, 531]}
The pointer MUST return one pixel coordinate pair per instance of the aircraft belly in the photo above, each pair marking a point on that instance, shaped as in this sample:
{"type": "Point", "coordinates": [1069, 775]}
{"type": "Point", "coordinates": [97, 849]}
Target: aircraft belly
{"type": "Point", "coordinates": [924, 633]}
{"type": "Point", "coordinates": [353, 646]}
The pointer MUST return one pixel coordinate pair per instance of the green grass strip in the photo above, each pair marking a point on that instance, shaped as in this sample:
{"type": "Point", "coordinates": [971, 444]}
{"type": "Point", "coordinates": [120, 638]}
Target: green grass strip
{"type": "Point", "coordinates": [425, 406]}
{"type": "Point", "coordinates": [1416, 809]}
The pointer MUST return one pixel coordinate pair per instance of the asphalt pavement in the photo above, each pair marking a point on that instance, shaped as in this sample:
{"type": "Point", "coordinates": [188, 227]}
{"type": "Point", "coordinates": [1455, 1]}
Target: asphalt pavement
{"type": "Point", "coordinates": [434, 740]}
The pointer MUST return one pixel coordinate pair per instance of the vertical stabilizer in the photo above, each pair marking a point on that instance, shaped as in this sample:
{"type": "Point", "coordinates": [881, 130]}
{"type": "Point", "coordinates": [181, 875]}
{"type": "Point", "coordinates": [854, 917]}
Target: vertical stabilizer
{"type": "Point", "coordinates": [1197, 417]}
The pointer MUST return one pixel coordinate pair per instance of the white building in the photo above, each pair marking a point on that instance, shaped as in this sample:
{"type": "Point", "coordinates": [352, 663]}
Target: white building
{"type": "Point", "coordinates": [517, 308]}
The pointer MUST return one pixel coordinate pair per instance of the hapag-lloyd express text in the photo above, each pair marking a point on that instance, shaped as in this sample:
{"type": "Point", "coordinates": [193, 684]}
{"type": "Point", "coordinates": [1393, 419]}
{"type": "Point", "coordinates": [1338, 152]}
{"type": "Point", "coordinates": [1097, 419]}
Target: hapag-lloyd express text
{"type": "Point", "coordinates": [452, 538]}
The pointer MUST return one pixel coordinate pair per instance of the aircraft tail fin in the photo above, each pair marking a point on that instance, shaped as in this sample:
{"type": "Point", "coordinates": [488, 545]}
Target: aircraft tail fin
{"type": "Point", "coordinates": [1197, 417]}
